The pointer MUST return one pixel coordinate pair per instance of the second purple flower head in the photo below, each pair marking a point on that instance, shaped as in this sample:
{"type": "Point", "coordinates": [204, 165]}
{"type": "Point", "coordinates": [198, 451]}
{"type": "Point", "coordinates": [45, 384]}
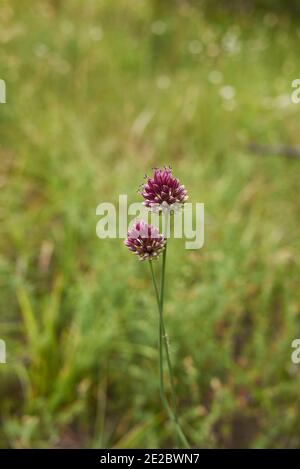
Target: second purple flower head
{"type": "Point", "coordinates": [145, 241]}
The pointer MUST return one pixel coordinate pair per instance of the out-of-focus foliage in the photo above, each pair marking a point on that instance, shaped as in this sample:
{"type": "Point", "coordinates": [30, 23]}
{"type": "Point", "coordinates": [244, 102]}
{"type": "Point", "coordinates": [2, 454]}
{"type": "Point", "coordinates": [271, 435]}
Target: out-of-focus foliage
{"type": "Point", "coordinates": [248, 6]}
{"type": "Point", "coordinates": [98, 92]}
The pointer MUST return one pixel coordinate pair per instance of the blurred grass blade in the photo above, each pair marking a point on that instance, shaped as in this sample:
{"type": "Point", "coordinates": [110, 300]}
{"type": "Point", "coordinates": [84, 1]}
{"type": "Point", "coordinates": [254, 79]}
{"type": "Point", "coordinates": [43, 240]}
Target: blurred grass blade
{"type": "Point", "coordinates": [30, 323]}
{"type": "Point", "coordinates": [136, 435]}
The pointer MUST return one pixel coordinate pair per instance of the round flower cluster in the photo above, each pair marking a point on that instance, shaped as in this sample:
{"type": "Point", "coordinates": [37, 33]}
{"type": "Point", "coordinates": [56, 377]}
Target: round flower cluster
{"type": "Point", "coordinates": [163, 188]}
{"type": "Point", "coordinates": [145, 241]}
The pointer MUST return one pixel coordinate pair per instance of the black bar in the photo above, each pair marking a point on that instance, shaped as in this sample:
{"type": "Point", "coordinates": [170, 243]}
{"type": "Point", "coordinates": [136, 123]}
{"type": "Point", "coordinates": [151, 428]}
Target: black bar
{"type": "Point", "coordinates": [90, 458]}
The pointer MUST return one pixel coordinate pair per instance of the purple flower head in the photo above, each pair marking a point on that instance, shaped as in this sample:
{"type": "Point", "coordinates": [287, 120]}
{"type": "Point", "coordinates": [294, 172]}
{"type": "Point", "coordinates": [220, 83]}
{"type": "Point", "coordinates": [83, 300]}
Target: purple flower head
{"type": "Point", "coordinates": [145, 241]}
{"type": "Point", "coordinates": [163, 189]}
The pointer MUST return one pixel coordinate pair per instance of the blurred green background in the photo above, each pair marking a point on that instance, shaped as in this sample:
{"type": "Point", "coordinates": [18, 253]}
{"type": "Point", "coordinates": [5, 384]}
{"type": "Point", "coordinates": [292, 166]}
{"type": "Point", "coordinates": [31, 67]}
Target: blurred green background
{"type": "Point", "coordinates": [99, 92]}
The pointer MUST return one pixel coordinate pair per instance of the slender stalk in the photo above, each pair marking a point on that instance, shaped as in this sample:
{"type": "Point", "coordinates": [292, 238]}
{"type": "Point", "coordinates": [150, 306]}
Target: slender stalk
{"type": "Point", "coordinates": [162, 295]}
{"type": "Point", "coordinates": [163, 338]}
{"type": "Point", "coordinates": [181, 435]}
{"type": "Point", "coordinates": [161, 376]}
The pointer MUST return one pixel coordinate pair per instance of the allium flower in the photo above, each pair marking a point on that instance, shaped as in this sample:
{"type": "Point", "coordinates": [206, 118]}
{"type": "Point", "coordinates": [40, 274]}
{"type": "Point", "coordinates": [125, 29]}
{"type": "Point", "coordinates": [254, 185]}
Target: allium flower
{"type": "Point", "coordinates": [162, 193]}
{"type": "Point", "coordinates": [145, 241]}
{"type": "Point", "coordinates": [163, 188]}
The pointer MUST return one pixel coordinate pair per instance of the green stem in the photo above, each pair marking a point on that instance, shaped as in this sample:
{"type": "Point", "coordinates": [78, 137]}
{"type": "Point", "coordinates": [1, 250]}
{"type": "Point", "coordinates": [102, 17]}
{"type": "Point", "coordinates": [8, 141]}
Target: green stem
{"type": "Point", "coordinates": [165, 338]}
{"type": "Point", "coordinates": [161, 376]}
{"type": "Point", "coordinates": [162, 337]}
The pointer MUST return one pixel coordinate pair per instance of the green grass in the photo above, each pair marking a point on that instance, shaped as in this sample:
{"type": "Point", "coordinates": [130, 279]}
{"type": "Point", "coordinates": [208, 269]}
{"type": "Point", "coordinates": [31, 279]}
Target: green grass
{"type": "Point", "coordinates": [95, 99]}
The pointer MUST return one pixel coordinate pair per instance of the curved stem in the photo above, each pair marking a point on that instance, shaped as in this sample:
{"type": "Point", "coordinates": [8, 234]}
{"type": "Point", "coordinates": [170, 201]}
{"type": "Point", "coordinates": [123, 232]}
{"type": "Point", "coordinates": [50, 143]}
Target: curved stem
{"type": "Point", "coordinates": [162, 337]}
